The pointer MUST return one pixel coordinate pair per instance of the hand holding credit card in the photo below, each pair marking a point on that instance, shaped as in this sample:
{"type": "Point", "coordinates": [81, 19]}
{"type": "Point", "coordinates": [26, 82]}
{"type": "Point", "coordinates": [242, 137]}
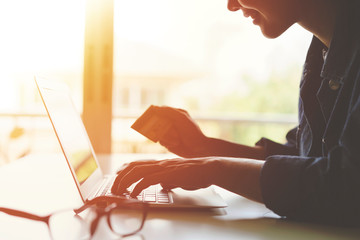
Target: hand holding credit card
{"type": "Point", "coordinates": [151, 125]}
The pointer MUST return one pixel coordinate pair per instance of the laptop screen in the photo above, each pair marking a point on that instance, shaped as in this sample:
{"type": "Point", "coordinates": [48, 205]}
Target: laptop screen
{"type": "Point", "coordinates": [71, 133]}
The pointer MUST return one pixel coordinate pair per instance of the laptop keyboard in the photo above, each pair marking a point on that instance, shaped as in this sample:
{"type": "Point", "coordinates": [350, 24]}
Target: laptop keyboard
{"type": "Point", "coordinates": [152, 194]}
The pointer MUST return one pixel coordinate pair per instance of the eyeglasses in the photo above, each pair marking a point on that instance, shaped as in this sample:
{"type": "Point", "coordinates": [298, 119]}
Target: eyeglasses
{"type": "Point", "coordinates": [124, 217]}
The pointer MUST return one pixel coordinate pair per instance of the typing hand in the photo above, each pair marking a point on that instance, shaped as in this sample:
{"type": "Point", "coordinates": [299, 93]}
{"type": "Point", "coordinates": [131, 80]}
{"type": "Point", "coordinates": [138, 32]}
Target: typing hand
{"type": "Point", "coordinates": [189, 174]}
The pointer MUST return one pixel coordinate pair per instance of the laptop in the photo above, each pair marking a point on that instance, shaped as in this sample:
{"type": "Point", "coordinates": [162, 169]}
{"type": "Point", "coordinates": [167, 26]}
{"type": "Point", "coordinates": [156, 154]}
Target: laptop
{"type": "Point", "coordinates": [84, 166]}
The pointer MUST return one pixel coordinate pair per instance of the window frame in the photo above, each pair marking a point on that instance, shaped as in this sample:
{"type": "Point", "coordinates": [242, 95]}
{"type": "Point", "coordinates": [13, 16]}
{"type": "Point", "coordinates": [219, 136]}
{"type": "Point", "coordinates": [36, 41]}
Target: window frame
{"type": "Point", "coordinates": [98, 73]}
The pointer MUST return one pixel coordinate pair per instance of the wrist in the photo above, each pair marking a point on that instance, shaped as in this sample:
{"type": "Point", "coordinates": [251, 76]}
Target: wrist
{"type": "Point", "coordinates": [203, 147]}
{"type": "Point", "coordinates": [239, 175]}
{"type": "Point", "coordinates": [212, 147]}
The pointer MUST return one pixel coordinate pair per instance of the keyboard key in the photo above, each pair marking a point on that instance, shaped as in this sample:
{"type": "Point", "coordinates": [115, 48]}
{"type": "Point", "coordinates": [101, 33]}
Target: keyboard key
{"type": "Point", "coordinates": [150, 199]}
{"type": "Point", "coordinates": [152, 194]}
{"type": "Point", "coordinates": [163, 200]}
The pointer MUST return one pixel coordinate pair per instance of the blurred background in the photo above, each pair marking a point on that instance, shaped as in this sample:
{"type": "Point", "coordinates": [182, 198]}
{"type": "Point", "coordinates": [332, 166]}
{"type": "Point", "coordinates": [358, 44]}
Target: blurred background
{"type": "Point", "coordinates": [191, 54]}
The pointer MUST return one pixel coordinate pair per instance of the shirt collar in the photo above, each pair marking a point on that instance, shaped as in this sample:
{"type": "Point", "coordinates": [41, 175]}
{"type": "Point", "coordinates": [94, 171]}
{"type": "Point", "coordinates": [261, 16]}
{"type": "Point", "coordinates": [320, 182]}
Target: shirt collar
{"type": "Point", "coordinates": [341, 50]}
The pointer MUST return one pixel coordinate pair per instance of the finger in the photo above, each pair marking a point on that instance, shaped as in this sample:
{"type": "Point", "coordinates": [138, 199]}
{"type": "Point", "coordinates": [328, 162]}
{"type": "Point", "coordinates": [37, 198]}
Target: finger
{"type": "Point", "coordinates": [191, 188]}
{"type": "Point", "coordinates": [172, 113]}
{"type": "Point", "coordinates": [135, 175]}
{"type": "Point", "coordinates": [148, 163]}
{"type": "Point", "coordinates": [170, 140]}
{"type": "Point", "coordinates": [179, 174]}
{"type": "Point", "coordinates": [167, 186]}
{"type": "Point", "coordinates": [122, 167]}
{"type": "Point", "coordinates": [170, 137]}
{"type": "Point", "coordinates": [172, 178]}
{"type": "Point", "coordinates": [183, 111]}
{"type": "Point", "coordinates": [180, 118]}
{"type": "Point", "coordinates": [120, 184]}
{"type": "Point", "coordinates": [171, 146]}
{"type": "Point", "coordinates": [136, 171]}
{"type": "Point", "coordinates": [147, 182]}
{"type": "Point", "coordinates": [125, 169]}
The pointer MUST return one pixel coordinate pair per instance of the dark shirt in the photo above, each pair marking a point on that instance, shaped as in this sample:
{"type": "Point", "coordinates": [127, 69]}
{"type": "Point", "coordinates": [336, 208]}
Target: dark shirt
{"type": "Point", "coordinates": [315, 176]}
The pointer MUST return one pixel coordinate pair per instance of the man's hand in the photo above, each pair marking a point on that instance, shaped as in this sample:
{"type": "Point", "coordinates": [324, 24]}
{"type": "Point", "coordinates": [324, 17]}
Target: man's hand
{"type": "Point", "coordinates": [241, 176]}
{"type": "Point", "coordinates": [189, 174]}
{"type": "Point", "coordinates": [184, 138]}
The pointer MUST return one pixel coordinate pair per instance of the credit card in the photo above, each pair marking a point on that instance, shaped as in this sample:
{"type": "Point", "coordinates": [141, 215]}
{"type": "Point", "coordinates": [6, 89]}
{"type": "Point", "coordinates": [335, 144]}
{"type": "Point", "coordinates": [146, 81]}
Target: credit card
{"type": "Point", "coordinates": [151, 125]}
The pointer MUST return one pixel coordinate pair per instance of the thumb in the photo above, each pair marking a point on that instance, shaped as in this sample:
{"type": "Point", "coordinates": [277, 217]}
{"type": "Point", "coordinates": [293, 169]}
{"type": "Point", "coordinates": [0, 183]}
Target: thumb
{"type": "Point", "coordinates": [167, 187]}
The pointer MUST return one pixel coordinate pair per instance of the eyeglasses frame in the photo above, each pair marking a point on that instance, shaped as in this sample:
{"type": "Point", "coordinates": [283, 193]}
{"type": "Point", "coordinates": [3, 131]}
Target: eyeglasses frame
{"type": "Point", "coordinates": [104, 205]}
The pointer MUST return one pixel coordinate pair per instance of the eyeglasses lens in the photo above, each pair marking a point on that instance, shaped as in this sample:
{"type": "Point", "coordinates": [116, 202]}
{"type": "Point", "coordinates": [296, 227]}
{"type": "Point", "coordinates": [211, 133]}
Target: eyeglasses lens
{"type": "Point", "coordinates": [124, 221]}
{"type": "Point", "coordinates": [67, 225]}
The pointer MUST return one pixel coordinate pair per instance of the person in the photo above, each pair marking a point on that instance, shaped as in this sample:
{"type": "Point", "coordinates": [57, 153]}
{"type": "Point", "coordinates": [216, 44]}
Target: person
{"type": "Point", "coordinates": [315, 175]}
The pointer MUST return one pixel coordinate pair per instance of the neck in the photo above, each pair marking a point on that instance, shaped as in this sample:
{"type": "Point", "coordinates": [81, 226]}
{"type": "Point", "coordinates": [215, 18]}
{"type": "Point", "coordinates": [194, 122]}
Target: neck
{"type": "Point", "coordinates": [319, 19]}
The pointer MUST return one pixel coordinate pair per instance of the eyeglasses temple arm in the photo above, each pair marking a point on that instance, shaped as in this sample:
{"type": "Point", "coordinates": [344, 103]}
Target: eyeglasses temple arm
{"type": "Point", "coordinates": [22, 214]}
{"type": "Point", "coordinates": [80, 209]}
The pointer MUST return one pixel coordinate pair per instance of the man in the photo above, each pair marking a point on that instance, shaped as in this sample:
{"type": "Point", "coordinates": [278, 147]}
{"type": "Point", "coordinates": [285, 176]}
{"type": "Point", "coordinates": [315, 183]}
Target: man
{"type": "Point", "coordinates": [315, 176]}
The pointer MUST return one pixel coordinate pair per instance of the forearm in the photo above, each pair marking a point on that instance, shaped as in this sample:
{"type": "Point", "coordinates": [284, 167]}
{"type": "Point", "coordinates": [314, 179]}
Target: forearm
{"type": "Point", "coordinates": [241, 176]}
{"type": "Point", "coordinates": [219, 147]}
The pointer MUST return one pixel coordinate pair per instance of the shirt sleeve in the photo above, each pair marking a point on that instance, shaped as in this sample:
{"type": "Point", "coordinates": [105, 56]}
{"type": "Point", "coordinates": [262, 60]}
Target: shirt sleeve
{"type": "Point", "coordinates": [274, 148]}
{"type": "Point", "coordinates": [321, 189]}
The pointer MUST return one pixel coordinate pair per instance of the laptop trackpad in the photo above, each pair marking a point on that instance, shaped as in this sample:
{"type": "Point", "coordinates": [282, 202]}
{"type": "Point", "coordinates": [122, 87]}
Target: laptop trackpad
{"type": "Point", "coordinates": [202, 198]}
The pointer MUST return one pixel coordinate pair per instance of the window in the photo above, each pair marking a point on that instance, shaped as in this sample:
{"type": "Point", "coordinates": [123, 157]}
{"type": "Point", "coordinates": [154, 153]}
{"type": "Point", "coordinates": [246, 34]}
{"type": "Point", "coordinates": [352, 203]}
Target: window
{"type": "Point", "coordinates": [44, 37]}
{"type": "Point", "coordinates": [214, 63]}
{"type": "Point", "coordinates": [190, 54]}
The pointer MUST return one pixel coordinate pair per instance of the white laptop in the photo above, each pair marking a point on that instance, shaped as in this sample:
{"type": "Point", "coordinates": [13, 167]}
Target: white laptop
{"type": "Point", "coordinates": [84, 165]}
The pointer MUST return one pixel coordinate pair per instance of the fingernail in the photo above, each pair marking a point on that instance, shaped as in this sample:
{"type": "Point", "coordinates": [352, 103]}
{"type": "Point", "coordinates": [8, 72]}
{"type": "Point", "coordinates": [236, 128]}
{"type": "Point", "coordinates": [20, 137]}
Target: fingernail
{"type": "Point", "coordinates": [133, 195]}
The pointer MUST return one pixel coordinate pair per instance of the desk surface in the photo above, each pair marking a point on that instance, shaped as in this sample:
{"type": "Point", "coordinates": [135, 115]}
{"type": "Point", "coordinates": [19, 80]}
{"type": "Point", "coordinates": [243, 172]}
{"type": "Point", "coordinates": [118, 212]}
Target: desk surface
{"type": "Point", "coordinates": [42, 184]}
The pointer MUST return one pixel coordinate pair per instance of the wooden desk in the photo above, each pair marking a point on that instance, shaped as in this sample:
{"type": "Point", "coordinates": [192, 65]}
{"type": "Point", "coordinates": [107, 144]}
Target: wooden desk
{"type": "Point", "coordinates": [42, 184]}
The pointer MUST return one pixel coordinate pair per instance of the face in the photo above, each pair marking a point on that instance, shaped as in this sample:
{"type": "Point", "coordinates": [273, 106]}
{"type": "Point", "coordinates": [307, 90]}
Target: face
{"type": "Point", "coordinates": [273, 16]}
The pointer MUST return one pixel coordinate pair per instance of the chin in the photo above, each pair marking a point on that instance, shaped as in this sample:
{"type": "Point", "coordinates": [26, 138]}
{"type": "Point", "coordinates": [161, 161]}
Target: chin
{"type": "Point", "coordinates": [272, 32]}
{"type": "Point", "coordinates": [271, 35]}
